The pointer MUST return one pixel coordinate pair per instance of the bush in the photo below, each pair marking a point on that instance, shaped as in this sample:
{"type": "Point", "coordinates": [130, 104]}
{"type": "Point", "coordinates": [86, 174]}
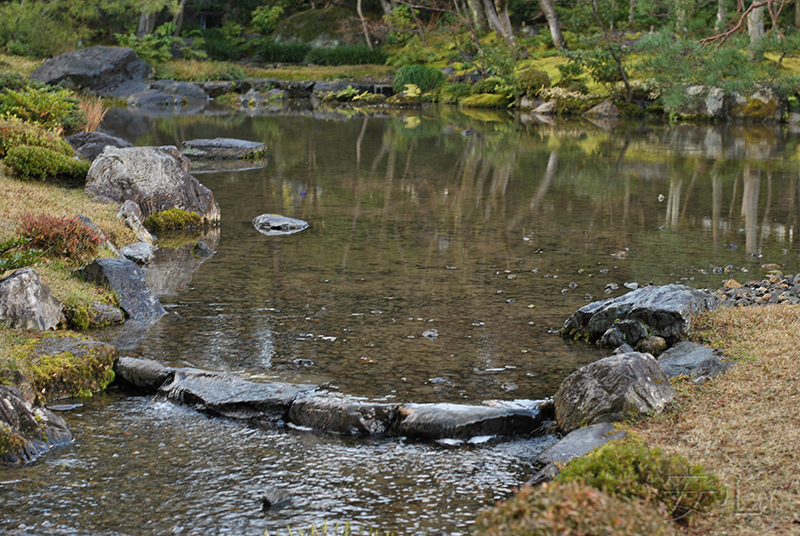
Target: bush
{"type": "Point", "coordinates": [488, 85]}
{"type": "Point", "coordinates": [630, 470]}
{"type": "Point", "coordinates": [346, 55]}
{"type": "Point", "coordinates": [41, 163]}
{"type": "Point", "coordinates": [54, 108]}
{"type": "Point", "coordinates": [265, 18]}
{"type": "Point", "coordinates": [453, 94]}
{"type": "Point", "coordinates": [530, 82]}
{"type": "Point", "coordinates": [173, 219]}
{"type": "Point", "coordinates": [14, 133]}
{"type": "Point", "coordinates": [424, 77]}
{"type": "Point", "coordinates": [574, 509]}
{"type": "Point", "coordinates": [153, 47]}
{"type": "Point", "coordinates": [60, 237]}
{"type": "Point", "coordinates": [283, 53]}
{"type": "Point", "coordinates": [219, 46]}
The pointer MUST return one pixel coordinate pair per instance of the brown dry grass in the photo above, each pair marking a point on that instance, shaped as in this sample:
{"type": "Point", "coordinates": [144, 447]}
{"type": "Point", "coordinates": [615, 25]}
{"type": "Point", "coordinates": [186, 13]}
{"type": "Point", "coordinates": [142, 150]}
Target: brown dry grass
{"type": "Point", "coordinates": [743, 426]}
{"type": "Point", "coordinates": [95, 111]}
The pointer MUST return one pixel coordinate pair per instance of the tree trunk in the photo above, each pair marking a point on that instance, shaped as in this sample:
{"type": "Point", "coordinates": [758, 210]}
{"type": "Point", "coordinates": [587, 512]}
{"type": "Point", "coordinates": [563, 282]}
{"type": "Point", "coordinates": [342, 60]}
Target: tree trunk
{"type": "Point", "coordinates": [477, 16]}
{"type": "Point", "coordinates": [147, 23]}
{"type": "Point", "coordinates": [552, 20]}
{"type": "Point", "coordinates": [631, 13]}
{"type": "Point", "coordinates": [755, 29]}
{"type": "Point", "coordinates": [505, 20]}
{"type": "Point", "coordinates": [613, 14]}
{"type": "Point", "coordinates": [797, 14]}
{"type": "Point", "coordinates": [722, 16]}
{"type": "Point", "coordinates": [363, 24]}
{"type": "Point", "coordinates": [177, 19]}
{"type": "Point", "coordinates": [386, 6]}
{"type": "Point", "coordinates": [494, 19]}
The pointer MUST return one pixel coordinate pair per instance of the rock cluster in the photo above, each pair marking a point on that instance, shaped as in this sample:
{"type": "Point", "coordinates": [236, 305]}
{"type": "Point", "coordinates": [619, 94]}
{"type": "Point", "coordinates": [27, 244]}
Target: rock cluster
{"type": "Point", "coordinates": [775, 289]}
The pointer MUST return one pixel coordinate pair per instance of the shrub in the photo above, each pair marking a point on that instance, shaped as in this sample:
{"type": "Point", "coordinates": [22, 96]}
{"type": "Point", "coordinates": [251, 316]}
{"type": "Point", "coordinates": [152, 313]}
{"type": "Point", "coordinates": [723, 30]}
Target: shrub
{"type": "Point", "coordinates": [199, 71]}
{"type": "Point", "coordinates": [53, 108]}
{"type": "Point", "coordinates": [575, 509]}
{"type": "Point", "coordinates": [40, 163]}
{"type": "Point", "coordinates": [453, 94]}
{"type": "Point", "coordinates": [426, 78]}
{"type": "Point", "coordinates": [153, 47]}
{"type": "Point", "coordinates": [14, 132]}
{"type": "Point", "coordinates": [530, 82]}
{"type": "Point", "coordinates": [346, 55]}
{"type": "Point", "coordinates": [13, 256]}
{"type": "Point", "coordinates": [630, 470]}
{"type": "Point", "coordinates": [60, 237]}
{"type": "Point", "coordinates": [265, 18]}
{"type": "Point", "coordinates": [173, 219]}
{"type": "Point", "coordinates": [219, 46]}
{"type": "Point", "coordinates": [487, 85]}
{"type": "Point", "coordinates": [283, 53]}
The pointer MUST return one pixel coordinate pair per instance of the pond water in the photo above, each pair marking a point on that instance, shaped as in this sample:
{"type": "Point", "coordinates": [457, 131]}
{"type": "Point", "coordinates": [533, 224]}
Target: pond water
{"type": "Point", "coordinates": [444, 252]}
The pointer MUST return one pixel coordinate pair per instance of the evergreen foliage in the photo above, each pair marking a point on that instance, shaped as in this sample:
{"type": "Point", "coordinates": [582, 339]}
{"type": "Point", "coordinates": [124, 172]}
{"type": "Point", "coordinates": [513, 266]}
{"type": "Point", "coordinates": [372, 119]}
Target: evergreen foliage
{"type": "Point", "coordinates": [424, 77]}
{"type": "Point", "coordinates": [346, 55]}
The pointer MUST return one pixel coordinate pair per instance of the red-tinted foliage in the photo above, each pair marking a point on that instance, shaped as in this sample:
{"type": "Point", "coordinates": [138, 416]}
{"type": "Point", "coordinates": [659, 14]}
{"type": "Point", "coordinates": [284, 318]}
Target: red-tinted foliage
{"type": "Point", "coordinates": [60, 237]}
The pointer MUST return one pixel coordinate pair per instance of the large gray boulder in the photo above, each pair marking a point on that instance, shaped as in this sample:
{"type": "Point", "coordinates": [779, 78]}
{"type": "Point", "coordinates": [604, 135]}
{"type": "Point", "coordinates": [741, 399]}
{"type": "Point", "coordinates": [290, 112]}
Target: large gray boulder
{"type": "Point", "coordinates": [692, 359]}
{"type": "Point", "coordinates": [90, 144]}
{"type": "Point", "coordinates": [664, 311]}
{"type": "Point", "coordinates": [458, 421]}
{"type": "Point", "coordinates": [127, 279]}
{"type": "Point", "coordinates": [27, 432]}
{"type": "Point", "coordinates": [155, 178]}
{"type": "Point", "coordinates": [108, 71]}
{"type": "Point", "coordinates": [704, 102]}
{"type": "Point", "coordinates": [612, 389]}
{"type": "Point", "coordinates": [342, 415]}
{"type": "Point", "coordinates": [232, 396]}
{"type": "Point", "coordinates": [26, 302]}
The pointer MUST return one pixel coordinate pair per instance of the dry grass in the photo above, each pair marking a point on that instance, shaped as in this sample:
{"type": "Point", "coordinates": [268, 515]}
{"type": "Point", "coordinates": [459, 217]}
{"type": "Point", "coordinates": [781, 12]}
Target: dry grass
{"type": "Point", "coordinates": [18, 65]}
{"type": "Point", "coordinates": [375, 73]}
{"type": "Point", "coordinates": [95, 111]}
{"type": "Point", "coordinates": [744, 426]}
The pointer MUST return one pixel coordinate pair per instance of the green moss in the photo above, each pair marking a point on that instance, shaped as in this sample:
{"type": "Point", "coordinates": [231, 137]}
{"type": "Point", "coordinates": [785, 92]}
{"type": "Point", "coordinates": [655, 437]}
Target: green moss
{"type": "Point", "coordinates": [9, 441]}
{"type": "Point", "coordinates": [629, 470]}
{"type": "Point", "coordinates": [628, 109]}
{"type": "Point", "coordinates": [42, 163]}
{"type": "Point", "coordinates": [173, 219]}
{"type": "Point", "coordinates": [486, 100]}
{"type": "Point", "coordinates": [756, 109]}
{"type": "Point", "coordinates": [311, 25]}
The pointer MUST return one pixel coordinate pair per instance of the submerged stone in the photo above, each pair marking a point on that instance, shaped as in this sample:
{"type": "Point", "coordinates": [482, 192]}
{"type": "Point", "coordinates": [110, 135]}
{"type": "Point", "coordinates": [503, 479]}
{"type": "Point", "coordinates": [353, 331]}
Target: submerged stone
{"type": "Point", "coordinates": [276, 225]}
{"type": "Point", "coordinates": [342, 415]}
{"type": "Point", "coordinates": [223, 148]}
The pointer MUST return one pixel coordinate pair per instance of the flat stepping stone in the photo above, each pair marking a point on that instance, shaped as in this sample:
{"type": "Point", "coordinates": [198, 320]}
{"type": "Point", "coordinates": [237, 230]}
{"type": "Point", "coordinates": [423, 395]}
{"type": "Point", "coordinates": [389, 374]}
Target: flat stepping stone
{"type": "Point", "coordinates": [224, 148]}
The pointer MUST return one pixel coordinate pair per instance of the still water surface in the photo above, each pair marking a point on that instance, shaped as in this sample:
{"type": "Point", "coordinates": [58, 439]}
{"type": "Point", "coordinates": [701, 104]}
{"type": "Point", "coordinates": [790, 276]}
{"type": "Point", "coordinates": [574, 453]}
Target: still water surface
{"type": "Point", "coordinates": [482, 232]}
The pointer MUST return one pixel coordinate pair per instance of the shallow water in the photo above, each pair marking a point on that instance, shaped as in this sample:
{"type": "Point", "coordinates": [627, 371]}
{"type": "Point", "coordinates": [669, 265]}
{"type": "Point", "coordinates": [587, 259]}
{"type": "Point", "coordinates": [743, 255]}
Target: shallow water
{"type": "Point", "coordinates": [489, 229]}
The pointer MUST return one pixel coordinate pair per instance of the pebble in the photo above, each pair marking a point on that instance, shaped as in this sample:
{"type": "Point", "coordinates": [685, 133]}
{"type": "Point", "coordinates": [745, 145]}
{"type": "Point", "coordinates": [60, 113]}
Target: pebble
{"type": "Point", "coordinates": [777, 288]}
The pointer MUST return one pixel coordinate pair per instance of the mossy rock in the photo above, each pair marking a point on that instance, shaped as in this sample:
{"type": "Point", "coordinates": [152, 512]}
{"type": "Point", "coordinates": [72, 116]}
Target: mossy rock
{"type": "Point", "coordinates": [486, 100]}
{"type": "Point", "coordinates": [65, 364]}
{"type": "Point", "coordinates": [403, 100]}
{"type": "Point", "coordinates": [628, 109]}
{"type": "Point", "coordinates": [173, 219]}
{"type": "Point", "coordinates": [317, 27]}
{"type": "Point", "coordinates": [372, 99]}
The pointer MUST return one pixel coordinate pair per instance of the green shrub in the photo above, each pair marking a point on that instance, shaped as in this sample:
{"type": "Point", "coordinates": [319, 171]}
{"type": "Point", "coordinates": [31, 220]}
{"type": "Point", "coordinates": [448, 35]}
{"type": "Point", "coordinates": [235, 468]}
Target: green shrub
{"type": "Point", "coordinates": [530, 82]}
{"type": "Point", "coordinates": [14, 133]}
{"type": "Point", "coordinates": [486, 100]}
{"type": "Point", "coordinates": [41, 163]}
{"type": "Point", "coordinates": [53, 108]}
{"type": "Point", "coordinates": [488, 85]}
{"type": "Point", "coordinates": [153, 47]}
{"type": "Point", "coordinates": [173, 219]}
{"type": "Point", "coordinates": [346, 55]}
{"type": "Point", "coordinates": [283, 53]}
{"type": "Point", "coordinates": [219, 46]}
{"type": "Point", "coordinates": [424, 77]}
{"type": "Point", "coordinates": [630, 470]}
{"type": "Point", "coordinates": [265, 18]}
{"type": "Point", "coordinates": [13, 256]}
{"type": "Point", "coordinates": [575, 509]}
{"type": "Point", "coordinates": [454, 93]}
{"type": "Point", "coordinates": [60, 237]}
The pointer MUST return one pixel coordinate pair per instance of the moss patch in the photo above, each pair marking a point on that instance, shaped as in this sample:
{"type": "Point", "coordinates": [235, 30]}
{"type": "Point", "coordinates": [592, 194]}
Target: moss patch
{"type": "Point", "coordinates": [317, 26]}
{"type": "Point", "coordinates": [173, 219]}
{"type": "Point", "coordinates": [485, 100]}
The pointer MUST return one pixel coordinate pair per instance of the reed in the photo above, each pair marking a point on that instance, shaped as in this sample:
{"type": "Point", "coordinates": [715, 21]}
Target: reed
{"type": "Point", "coordinates": [95, 111]}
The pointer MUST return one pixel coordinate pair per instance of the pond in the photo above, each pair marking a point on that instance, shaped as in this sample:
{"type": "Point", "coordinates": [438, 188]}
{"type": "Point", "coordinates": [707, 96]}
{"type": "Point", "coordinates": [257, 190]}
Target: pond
{"type": "Point", "coordinates": [444, 251]}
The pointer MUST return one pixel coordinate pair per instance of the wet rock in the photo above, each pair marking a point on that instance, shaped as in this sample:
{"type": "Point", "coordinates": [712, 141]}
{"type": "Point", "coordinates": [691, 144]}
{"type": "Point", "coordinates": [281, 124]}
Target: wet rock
{"type": "Point", "coordinates": [231, 396]}
{"type": "Point", "coordinates": [252, 99]}
{"type": "Point", "coordinates": [90, 144]}
{"type": "Point", "coordinates": [275, 224]}
{"type": "Point", "coordinates": [293, 88]}
{"type": "Point", "coordinates": [27, 432]}
{"type": "Point", "coordinates": [604, 109]}
{"type": "Point", "coordinates": [692, 359]}
{"type": "Point", "coordinates": [612, 389]}
{"type": "Point", "coordinates": [102, 315]}
{"type": "Point", "coordinates": [108, 71]}
{"type": "Point", "coordinates": [172, 268]}
{"type": "Point", "coordinates": [155, 178]}
{"type": "Point", "coordinates": [127, 280]}
{"type": "Point", "coordinates": [26, 302]}
{"type": "Point", "coordinates": [342, 415]}
{"type": "Point", "coordinates": [224, 148]}
{"type": "Point", "coordinates": [216, 89]}
{"type": "Point", "coordinates": [185, 90]}
{"type": "Point", "coordinates": [624, 349]}
{"type": "Point", "coordinates": [665, 311]}
{"type": "Point", "coordinates": [71, 365]}
{"type": "Point", "coordinates": [579, 442]}
{"type": "Point", "coordinates": [139, 252]}
{"type": "Point", "coordinates": [145, 376]}
{"type": "Point", "coordinates": [15, 378]}
{"type": "Point", "coordinates": [153, 98]}
{"type": "Point", "coordinates": [548, 473]}
{"type": "Point", "coordinates": [549, 107]}
{"type": "Point", "coordinates": [439, 421]}
{"type": "Point", "coordinates": [764, 105]}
